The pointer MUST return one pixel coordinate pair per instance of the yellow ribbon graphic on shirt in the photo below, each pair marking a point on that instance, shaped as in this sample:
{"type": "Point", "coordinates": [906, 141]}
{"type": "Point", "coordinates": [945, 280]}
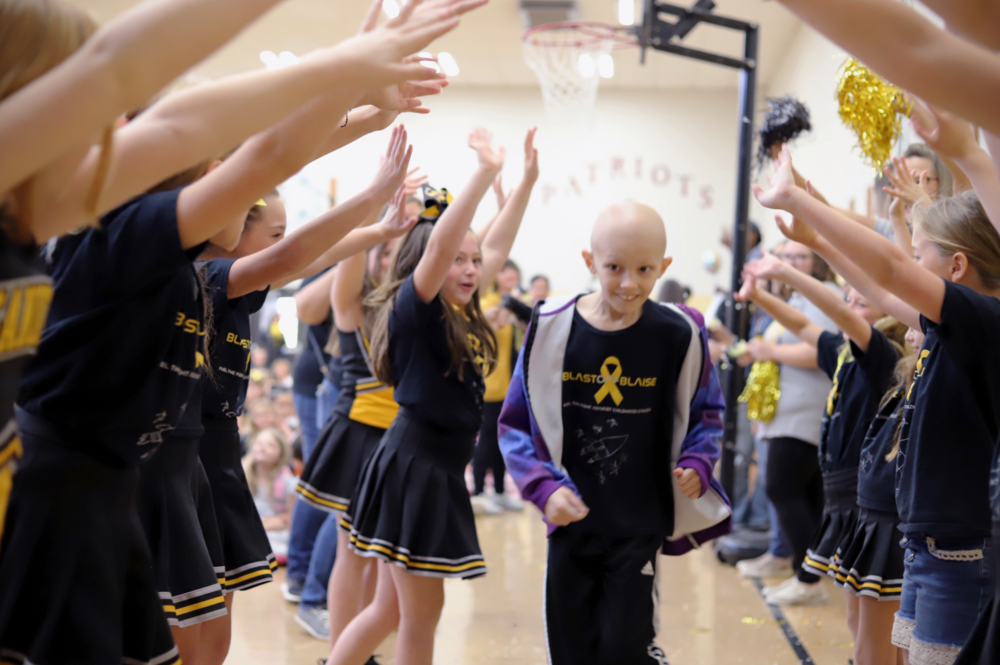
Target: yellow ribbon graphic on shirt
{"type": "Point", "coordinates": [610, 381]}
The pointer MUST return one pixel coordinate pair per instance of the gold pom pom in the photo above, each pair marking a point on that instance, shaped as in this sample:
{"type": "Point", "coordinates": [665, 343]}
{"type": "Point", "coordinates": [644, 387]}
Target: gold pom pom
{"type": "Point", "coordinates": [762, 391]}
{"type": "Point", "coordinates": [869, 106]}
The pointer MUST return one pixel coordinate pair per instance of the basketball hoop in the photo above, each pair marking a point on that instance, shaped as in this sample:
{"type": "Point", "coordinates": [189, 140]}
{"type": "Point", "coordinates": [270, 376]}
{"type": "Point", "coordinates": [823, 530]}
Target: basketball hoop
{"type": "Point", "coordinates": [570, 59]}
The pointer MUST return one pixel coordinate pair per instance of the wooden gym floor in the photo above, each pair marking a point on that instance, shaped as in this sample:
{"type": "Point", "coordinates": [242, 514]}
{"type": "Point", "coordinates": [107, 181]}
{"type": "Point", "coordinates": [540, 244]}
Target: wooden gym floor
{"type": "Point", "coordinates": [708, 614]}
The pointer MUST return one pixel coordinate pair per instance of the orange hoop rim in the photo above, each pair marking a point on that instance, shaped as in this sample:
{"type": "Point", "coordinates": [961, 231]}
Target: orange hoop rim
{"type": "Point", "coordinates": [592, 33]}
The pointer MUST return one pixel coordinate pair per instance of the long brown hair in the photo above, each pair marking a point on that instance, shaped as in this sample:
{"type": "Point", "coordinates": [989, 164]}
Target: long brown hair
{"type": "Point", "coordinates": [959, 224]}
{"type": "Point", "coordinates": [902, 381]}
{"type": "Point", "coordinates": [37, 36]}
{"type": "Point", "coordinates": [458, 324]}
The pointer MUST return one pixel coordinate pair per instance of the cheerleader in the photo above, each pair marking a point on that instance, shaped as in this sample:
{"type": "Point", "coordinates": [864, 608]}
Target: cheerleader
{"type": "Point", "coordinates": [862, 371]}
{"type": "Point", "coordinates": [430, 341]}
{"type": "Point", "coordinates": [942, 492]}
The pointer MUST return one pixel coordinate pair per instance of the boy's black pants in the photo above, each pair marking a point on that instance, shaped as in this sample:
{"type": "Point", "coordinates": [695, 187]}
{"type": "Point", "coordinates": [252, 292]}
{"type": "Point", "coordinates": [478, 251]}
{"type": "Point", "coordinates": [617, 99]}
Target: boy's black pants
{"type": "Point", "coordinates": [600, 599]}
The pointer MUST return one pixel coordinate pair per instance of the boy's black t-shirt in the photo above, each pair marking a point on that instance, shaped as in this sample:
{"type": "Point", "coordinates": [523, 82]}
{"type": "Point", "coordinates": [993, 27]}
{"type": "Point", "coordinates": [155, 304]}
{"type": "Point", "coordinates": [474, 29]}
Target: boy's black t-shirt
{"type": "Point", "coordinates": [860, 379]}
{"type": "Point", "coordinates": [25, 294]}
{"type": "Point", "coordinates": [876, 475]}
{"type": "Point", "coordinates": [308, 371]}
{"type": "Point", "coordinates": [951, 420]}
{"type": "Point", "coordinates": [122, 350]}
{"type": "Point", "coordinates": [225, 391]}
{"type": "Point", "coordinates": [618, 388]}
{"type": "Point", "coordinates": [418, 351]}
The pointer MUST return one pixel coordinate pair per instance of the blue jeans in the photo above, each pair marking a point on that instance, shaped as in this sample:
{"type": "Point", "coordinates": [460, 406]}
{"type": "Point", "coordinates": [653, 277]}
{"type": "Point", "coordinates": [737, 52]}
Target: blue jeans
{"type": "Point", "coordinates": [312, 546]}
{"type": "Point", "coordinates": [946, 584]}
{"type": "Point", "coordinates": [779, 546]}
{"type": "Point", "coordinates": [306, 520]}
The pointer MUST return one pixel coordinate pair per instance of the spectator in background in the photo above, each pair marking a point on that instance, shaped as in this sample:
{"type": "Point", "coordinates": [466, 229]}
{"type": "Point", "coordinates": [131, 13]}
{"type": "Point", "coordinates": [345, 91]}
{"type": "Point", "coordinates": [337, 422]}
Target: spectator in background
{"type": "Point", "coordinates": [753, 240]}
{"type": "Point", "coordinates": [539, 289]}
{"type": "Point", "coordinates": [259, 357]}
{"type": "Point", "coordinates": [272, 484]}
{"type": "Point", "coordinates": [281, 368]}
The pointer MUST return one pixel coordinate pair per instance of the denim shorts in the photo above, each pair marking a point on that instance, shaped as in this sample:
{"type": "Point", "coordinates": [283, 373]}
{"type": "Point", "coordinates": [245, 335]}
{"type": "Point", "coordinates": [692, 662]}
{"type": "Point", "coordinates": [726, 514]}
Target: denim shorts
{"type": "Point", "coordinates": [946, 584]}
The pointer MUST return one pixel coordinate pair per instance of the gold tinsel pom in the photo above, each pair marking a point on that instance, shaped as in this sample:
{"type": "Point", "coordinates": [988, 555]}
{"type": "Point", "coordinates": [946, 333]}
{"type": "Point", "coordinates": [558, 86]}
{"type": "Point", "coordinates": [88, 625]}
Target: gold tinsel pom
{"type": "Point", "coordinates": [869, 106]}
{"type": "Point", "coordinates": [762, 391]}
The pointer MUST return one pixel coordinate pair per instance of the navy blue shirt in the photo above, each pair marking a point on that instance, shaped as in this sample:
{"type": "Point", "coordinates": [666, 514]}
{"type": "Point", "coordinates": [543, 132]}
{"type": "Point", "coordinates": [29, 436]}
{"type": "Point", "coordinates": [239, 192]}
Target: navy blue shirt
{"type": "Point", "coordinates": [876, 475]}
{"type": "Point", "coordinates": [859, 382]}
{"type": "Point", "coordinates": [225, 391]}
{"type": "Point", "coordinates": [120, 355]}
{"type": "Point", "coordinates": [25, 294]}
{"type": "Point", "coordinates": [418, 351]}
{"type": "Point", "coordinates": [313, 359]}
{"type": "Point", "coordinates": [950, 422]}
{"type": "Point", "coordinates": [615, 388]}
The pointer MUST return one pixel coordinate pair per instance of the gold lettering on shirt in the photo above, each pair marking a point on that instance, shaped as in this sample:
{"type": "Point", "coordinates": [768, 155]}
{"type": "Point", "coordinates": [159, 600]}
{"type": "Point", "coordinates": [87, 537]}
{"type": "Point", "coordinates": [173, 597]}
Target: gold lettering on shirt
{"type": "Point", "coordinates": [233, 338]}
{"type": "Point", "coordinates": [610, 380]}
{"type": "Point", "coordinates": [919, 372]}
{"type": "Point", "coordinates": [23, 310]}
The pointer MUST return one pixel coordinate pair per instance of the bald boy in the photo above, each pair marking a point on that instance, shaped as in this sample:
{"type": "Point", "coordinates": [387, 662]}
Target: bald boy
{"type": "Point", "coordinates": [611, 428]}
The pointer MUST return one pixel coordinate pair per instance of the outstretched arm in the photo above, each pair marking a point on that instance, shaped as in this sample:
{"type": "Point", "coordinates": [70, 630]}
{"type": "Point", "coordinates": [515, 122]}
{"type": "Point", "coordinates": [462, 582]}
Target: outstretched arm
{"type": "Point", "coordinates": [909, 50]}
{"type": "Point", "coordinates": [282, 262]}
{"type": "Point", "coordinates": [956, 138]}
{"type": "Point", "coordinates": [887, 265]}
{"type": "Point", "coordinates": [449, 231]}
{"type": "Point", "coordinates": [792, 319]}
{"type": "Point", "coordinates": [831, 304]}
{"type": "Point", "coordinates": [203, 121]}
{"type": "Point", "coordinates": [500, 236]}
{"type": "Point", "coordinates": [348, 286]}
{"type": "Point", "coordinates": [312, 301]}
{"type": "Point", "coordinates": [122, 66]}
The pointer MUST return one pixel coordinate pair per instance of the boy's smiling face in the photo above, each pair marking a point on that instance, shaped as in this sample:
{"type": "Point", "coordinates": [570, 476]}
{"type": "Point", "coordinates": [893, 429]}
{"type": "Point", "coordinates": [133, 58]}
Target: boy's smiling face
{"type": "Point", "coordinates": [628, 244]}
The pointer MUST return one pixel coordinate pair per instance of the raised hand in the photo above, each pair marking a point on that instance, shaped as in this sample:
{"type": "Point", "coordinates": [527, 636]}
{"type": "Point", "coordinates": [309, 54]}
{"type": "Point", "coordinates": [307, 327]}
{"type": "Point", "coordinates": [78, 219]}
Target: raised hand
{"type": "Point", "coordinates": [782, 183]}
{"type": "Point", "coordinates": [798, 231]}
{"type": "Point", "coordinates": [905, 186]}
{"type": "Point", "coordinates": [498, 190]}
{"type": "Point", "coordinates": [945, 133]}
{"type": "Point", "coordinates": [530, 156]}
{"type": "Point", "coordinates": [393, 169]}
{"type": "Point", "coordinates": [414, 181]}
{"type": "Point", "coordinates": [394, 223]}
{"type": "Point", "coordinates": [749, 287]}
{"type": "Point", "coordinates": [768, 266]}
{"type": "Point", "coordinates": [481, 140]}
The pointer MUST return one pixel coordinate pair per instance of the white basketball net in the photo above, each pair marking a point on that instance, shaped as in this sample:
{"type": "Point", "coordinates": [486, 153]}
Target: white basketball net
{"type": "Point", "coordinates": [568, 62]}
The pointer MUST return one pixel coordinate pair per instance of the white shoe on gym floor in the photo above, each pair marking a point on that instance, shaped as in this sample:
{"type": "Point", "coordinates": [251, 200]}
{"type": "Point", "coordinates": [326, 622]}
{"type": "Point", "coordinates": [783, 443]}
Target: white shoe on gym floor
{"type": "Point", "coordinates": [482, 504]}
{"type": "Point", "coordinates": [766, 565]}
{"type": "Point", "coordinates": [794, 592]}
{"type": "Point", "coordinates": [508, 502]}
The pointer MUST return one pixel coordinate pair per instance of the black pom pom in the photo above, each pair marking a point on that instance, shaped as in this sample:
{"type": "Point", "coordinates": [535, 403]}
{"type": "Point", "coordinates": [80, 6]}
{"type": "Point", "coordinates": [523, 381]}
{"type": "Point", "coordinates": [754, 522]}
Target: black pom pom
{"type": "Point", "coordinates": [786, 118]}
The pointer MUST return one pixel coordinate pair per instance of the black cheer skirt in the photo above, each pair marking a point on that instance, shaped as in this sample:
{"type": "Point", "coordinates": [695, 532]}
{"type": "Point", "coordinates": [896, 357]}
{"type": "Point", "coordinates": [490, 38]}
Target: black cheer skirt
{"type": "Point", "coordinates": [170, 484]}
{"type": "Point", "coordinates": [870, 561]}
{"type": "Point", "coordinates": [840, 515]}
{"type": "Point", "coordinates": [75, 573]}
{"type": "Point", "coordinates": [412, 508]}
{"type": "Point", "coordinates": [983, 647]}
{"type": "Point", "coordinates": [333, 469]}
{"type": "Point", "coordinates": [247, 557]}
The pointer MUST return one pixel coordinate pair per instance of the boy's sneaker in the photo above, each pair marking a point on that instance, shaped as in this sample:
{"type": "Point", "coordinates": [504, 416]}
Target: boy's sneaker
{"type": "Point", "coordinates": [794, 592]}
{"type": "Point", "coordinates": [508, 502]}
{"type": "Point", "coordinates": [315, 621]}
{"type": "Point", "coordinates": [656, 653]}
{"type": "Point", "coordinates": [485, 505]}
{"type": "Point", "coordinates": [291, 590]}
{"type": "Point", "coordinates": [766, 565]}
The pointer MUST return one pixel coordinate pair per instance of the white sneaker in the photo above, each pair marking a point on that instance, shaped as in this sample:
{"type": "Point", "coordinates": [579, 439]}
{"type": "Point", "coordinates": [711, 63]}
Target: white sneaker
{"type": "Point", "coordinates": [794, 592]}
{"type": "Point", "coordinates": [766, 565]}
{"type": "Point", "coordinates": [508, 502]}
{"type": "Point", "coordinates": [485, 505]}
{"type": "Point", "coordinates": [768, 590]}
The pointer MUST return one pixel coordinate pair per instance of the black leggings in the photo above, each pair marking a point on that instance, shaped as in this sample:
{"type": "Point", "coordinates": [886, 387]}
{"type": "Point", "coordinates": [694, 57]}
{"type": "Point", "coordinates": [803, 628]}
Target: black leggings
{"type": "Point", "coordinates": [795, 488]}
{"type": "Point", "coordinates": [487, 455]}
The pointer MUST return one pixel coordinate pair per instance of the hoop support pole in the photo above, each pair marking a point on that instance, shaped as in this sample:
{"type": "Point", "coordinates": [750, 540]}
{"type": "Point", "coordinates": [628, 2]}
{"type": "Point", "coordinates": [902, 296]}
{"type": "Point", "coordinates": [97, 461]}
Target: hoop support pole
{"type": "Point", "coordinates": [736, 313]}
{"type": "Point", "coordinates": [662, 36]}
